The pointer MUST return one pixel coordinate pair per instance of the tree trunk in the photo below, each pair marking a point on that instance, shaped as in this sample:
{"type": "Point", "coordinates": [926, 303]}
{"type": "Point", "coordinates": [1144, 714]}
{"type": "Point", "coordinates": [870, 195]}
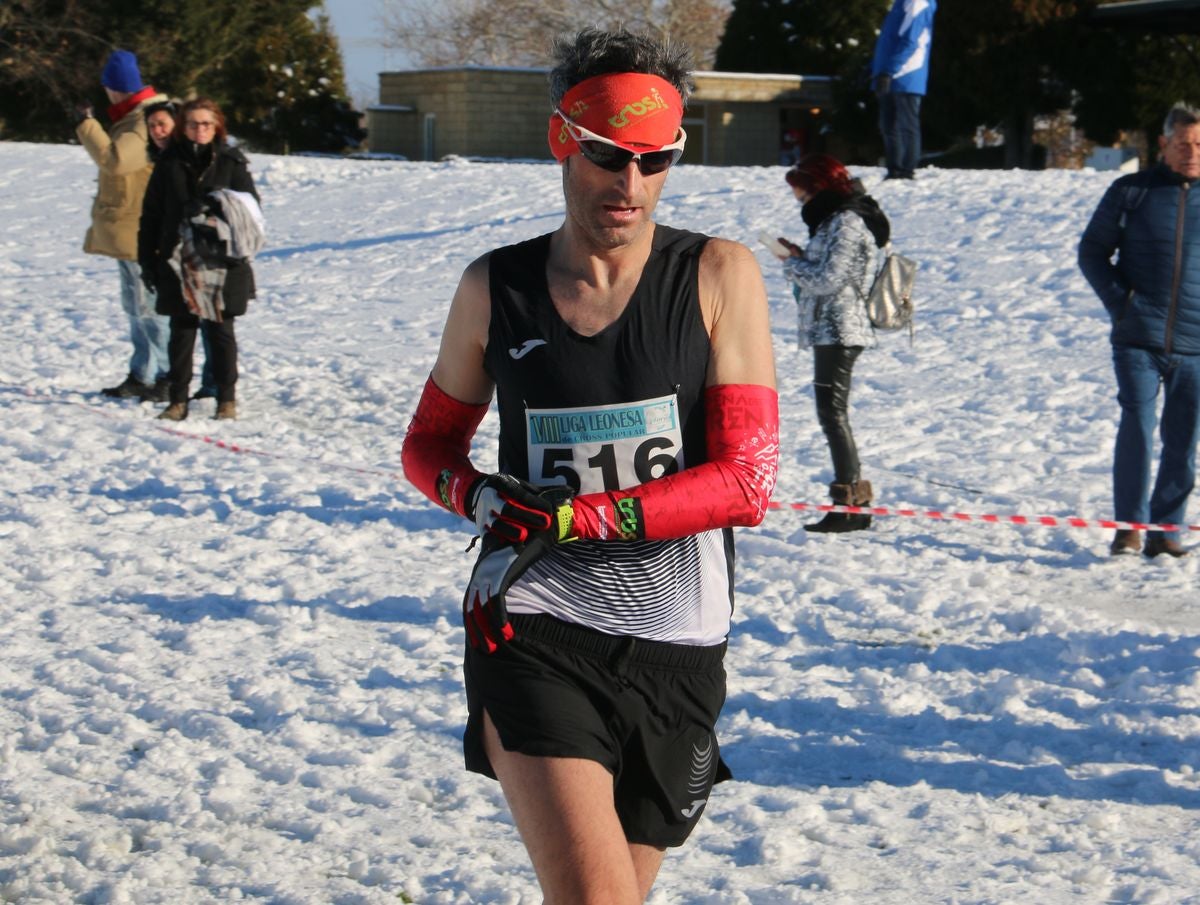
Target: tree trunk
{"type": "Point", "coordinates": [1018, 141]}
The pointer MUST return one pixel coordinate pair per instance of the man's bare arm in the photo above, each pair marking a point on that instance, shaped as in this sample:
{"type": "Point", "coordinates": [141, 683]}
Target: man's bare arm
{"type": "Point", "coordinates": [734, 302]}
{"type": "Point", "coordinates": [459, 367]}
{"type": "Point", "coordinates": [437, 447]}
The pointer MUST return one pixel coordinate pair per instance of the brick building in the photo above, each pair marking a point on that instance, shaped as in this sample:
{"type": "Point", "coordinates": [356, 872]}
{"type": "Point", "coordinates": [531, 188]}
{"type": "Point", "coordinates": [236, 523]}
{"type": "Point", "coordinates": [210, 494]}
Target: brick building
{"type": "Point", "coordinates": [732, 119]}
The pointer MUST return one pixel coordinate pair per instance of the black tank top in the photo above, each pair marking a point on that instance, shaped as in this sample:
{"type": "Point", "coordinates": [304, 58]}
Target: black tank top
{"type": "Point", "coordinates": [606, 412]}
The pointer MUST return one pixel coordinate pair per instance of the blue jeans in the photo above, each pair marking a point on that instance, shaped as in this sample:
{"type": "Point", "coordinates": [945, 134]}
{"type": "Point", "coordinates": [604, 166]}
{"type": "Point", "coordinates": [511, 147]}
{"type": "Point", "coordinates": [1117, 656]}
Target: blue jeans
{"type": "Point", "coordinates": [1139, 375]}
{"type": "Point", "coordinates": [148, 331]}
{"type": "Point", "coordinates": [900, 126]}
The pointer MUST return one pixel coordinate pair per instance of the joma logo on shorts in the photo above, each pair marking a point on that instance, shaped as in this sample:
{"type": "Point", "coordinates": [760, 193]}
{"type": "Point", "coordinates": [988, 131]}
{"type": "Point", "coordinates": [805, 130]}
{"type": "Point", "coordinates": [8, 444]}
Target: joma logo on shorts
{"type": "Point", "coordinates": [703, 757]}
{"type": "Point", "coordinates": [647, 106]}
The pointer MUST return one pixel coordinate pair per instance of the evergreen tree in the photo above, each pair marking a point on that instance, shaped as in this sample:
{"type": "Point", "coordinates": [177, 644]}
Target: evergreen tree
{"type": "Point", "coordinates": [808, 37]}
{"type": "Point", "coordinates": [758, 38]}
{"type": "Point", "coordinates": [52, 52]}
{"type": "Point", "coordinates": [1004, 62]}
{"type": "Point", "coordinates": [813, 37]}
{"type": "Point", "coordinates": [999, 63]}
{"type": "Point", "coordinates": [1129, 79]}
{"type": "Point", "coordinates": [289, 92]}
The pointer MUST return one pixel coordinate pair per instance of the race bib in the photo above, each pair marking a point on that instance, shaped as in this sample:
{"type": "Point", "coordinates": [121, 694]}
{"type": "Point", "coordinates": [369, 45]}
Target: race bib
{"type": "Point", "coordinates": [606, 447]}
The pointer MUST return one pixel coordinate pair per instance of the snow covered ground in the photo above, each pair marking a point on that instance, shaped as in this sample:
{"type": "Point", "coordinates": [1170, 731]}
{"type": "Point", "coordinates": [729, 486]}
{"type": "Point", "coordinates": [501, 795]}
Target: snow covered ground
{"type": "Point", "coordinates": [230, 651]}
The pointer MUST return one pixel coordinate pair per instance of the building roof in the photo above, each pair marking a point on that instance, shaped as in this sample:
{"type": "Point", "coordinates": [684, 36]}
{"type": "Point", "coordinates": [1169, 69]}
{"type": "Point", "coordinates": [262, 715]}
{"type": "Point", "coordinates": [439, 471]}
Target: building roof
{"type": "Point", "coordinates": [541, 70]}
{"type": "Point", "coordinates": [1174, 16]}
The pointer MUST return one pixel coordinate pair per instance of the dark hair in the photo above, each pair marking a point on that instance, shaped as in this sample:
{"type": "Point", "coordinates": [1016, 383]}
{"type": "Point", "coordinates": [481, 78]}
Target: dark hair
{"type": "Point", "coordinates": [202, 103]}
{"type": "Point", "coordinates": [818, 173]}
{"type": "Point", "coordinates": [162, 107]}
{"type": "Point", "coordinates": [594, 52]}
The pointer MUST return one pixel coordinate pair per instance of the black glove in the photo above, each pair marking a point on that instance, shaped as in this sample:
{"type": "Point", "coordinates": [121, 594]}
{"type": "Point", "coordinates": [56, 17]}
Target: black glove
{"type": "Point", "coordinates": [505, 507]}
{"type": "Point", "coordinates": [83, 110]}
{"type": "Point", "coordinates": [883, 85]}
{"type": "Point", "coordinates": [515, 511]}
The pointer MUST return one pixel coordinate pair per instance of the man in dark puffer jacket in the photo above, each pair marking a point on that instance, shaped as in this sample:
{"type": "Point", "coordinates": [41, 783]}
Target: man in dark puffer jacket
{"type": "Point", "coordinates": [1152, 293]}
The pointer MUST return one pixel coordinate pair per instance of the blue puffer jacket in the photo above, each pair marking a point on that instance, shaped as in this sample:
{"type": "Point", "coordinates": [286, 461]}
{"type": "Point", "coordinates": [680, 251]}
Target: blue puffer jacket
{"type": "Point", "coordinates": [1152, 291]}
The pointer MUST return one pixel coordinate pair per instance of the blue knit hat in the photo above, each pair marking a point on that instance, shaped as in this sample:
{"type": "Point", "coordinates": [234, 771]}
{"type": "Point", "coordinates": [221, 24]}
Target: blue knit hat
{"type": "Point", "coordinates": [121, 72]}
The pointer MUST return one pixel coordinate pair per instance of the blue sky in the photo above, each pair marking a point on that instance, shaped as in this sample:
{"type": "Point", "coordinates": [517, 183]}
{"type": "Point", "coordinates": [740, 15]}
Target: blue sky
{"type": "Point", "coordinates": [356, 23]}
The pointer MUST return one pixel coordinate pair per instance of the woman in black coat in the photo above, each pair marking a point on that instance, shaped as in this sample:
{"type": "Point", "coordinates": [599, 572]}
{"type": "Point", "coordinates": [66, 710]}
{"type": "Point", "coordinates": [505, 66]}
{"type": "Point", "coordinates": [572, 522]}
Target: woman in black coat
{"type": "Point", "coordinates": [196, 163]}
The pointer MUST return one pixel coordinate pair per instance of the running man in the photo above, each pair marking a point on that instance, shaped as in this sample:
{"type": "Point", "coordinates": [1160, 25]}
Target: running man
{"type": "Point", "coordinates": [634, 377]}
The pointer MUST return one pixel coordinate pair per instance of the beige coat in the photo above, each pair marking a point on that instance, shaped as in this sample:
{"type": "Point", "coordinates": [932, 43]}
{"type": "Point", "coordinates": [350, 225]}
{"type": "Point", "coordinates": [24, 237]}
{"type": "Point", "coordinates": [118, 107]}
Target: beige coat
{"type": "Point", "coordinates": [124, 171]}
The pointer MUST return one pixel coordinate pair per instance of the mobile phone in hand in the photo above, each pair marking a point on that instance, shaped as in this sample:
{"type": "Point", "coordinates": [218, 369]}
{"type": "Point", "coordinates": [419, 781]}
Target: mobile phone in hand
{"type": "Point", "coordinates": [776, 247]}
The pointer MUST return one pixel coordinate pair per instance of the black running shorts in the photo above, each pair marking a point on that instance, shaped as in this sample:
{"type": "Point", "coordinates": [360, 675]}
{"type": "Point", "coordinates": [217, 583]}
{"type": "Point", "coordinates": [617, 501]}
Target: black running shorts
{"type": "Point", "coordinates": [645, 710]}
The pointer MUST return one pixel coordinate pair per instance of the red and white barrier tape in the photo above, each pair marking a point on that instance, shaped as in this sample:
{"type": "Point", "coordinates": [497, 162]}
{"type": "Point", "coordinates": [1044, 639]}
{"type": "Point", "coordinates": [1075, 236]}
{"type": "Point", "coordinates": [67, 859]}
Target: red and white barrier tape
{"type": "Point", "coordinates": [245, 450]}
{"type": "Point", "coordinates": [204, 438]}
{"type": "Point", "coordinates": [1036, 521]}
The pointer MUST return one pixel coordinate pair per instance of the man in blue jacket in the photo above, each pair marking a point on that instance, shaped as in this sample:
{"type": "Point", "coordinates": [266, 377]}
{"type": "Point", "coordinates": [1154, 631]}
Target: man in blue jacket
{"type": "Point", "coordinates": [1151, 220]}
{"type": "Point", "coordinates": [899, 75]}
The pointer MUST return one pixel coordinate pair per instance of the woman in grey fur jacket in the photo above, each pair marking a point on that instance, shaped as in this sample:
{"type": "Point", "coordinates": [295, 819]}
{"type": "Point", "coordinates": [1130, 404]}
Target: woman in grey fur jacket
{"type": "Point", "coordinates": [830, 279]}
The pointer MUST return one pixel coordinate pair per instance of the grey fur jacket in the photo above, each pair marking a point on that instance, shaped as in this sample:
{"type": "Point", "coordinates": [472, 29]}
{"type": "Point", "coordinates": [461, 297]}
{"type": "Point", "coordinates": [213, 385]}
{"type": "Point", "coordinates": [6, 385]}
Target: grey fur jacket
{"type": "Point", "coordinates": [830, 281]}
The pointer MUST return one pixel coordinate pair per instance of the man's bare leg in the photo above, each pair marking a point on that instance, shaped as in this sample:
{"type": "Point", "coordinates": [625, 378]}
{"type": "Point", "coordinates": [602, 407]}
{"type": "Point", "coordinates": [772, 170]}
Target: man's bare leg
{"type": "Point", "coordinates": [564, 811]}
{"type": "Point", "coordinates": [646, 861]}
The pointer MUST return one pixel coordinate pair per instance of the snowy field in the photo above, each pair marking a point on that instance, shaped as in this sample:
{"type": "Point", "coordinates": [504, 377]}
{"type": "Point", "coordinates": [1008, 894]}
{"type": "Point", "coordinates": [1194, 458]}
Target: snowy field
{"type": "Point", "coordinates": [231, 651]}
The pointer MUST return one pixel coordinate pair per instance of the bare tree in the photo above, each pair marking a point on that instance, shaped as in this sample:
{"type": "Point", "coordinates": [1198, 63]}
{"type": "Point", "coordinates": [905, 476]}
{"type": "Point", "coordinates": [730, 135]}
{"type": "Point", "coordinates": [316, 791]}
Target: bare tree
{"type": "Point", "coordinates": [42, 46]}
{"type": "Point", "coordinates": [519, 32]}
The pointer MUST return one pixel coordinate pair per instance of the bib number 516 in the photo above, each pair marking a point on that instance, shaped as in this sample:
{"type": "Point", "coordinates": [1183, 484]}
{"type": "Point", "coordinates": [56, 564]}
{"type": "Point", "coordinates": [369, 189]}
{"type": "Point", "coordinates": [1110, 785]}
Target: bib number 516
{"type": "Point", "coordinates": [601, 468]}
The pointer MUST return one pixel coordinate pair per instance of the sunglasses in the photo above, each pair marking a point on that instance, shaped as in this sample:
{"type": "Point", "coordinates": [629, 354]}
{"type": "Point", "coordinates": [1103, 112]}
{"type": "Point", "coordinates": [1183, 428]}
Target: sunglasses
{"type": "Point", "coordinates": [608, 155]}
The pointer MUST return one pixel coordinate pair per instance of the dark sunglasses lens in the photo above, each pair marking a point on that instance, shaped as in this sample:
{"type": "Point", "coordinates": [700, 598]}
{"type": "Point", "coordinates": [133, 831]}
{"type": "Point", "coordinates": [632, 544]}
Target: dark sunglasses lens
{"type": "Point", "coordinates": [658, 161]}
{"type": "Point", "coordinates": [616, 159]}
{"type": "Point", "coordinates": [606, 156]}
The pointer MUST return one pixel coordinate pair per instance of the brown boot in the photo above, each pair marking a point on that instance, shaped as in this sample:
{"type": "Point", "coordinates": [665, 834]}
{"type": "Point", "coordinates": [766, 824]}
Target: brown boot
{"type": "Point", "coordinates": [176, 411]}
{"type": "Point", "coordinates": [1125, 542]}
{"type": "Point", "coordinates": [862, 493]}
{"type": "Point", "coordinates": [226, 411]}
{"type": "Point", "coordinates": [1157, 542]}
{"type": "Point", "coordinates": [857, 494]}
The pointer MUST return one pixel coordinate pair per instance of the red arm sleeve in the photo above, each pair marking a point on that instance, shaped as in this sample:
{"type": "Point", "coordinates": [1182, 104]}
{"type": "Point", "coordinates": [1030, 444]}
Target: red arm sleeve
{"type": "Point", "coordinates": [437, 447]}
{"type": "Point", "coordinates": [731, 488]}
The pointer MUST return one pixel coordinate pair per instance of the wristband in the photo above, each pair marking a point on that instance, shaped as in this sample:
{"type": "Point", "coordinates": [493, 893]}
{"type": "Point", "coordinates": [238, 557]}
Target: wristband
{"type": "Point", "coordinates": [436, 451]}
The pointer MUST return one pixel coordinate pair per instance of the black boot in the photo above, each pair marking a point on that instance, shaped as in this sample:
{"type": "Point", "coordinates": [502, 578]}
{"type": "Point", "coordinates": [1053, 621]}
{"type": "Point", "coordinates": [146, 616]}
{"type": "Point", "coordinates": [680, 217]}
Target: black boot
{"type": "Point", "coordinates": [129, 388]}
{"type": "Point", "coordinates": [857, 494]}
{"type": "Point", "coordinates": [160, 392]}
